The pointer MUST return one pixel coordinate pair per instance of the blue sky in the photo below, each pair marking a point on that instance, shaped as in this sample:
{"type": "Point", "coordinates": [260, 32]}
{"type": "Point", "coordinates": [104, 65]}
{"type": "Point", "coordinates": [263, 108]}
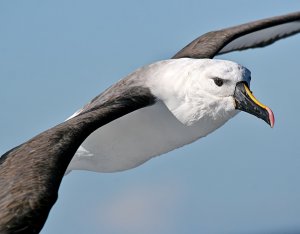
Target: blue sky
{"type": "Point", "coordinates": [244, 178]}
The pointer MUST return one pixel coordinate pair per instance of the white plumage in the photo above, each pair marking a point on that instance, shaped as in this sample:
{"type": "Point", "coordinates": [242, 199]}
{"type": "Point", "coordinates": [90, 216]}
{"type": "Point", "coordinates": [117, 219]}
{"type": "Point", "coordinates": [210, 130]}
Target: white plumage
{"type": "Point", "coordinates": [189, 106]}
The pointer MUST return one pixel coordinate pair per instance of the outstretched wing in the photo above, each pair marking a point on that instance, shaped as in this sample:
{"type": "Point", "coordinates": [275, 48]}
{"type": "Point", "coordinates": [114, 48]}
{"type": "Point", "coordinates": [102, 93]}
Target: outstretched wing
{"type": "Point", "coordinates": [245, 36]}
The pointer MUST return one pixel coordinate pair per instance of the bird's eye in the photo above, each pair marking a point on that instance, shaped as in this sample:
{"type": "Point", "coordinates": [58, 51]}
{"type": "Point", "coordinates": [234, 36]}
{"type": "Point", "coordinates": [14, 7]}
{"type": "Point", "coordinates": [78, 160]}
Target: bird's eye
{"type": "Point", "coordinates": [218, 81]}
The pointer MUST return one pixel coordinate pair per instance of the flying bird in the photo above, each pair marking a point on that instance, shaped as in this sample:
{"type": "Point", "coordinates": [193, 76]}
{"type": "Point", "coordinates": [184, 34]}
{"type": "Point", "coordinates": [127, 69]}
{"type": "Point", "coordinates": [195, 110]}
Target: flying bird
{"type": "Point", "coordinates": [190, 98]}
{"type": "Point", "coordinates": [173, 102]}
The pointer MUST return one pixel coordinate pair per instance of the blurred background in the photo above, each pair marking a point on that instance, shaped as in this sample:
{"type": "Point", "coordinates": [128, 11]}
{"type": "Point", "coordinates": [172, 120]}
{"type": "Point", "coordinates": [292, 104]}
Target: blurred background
{"type": "Point", "coordinates": [244, 178]}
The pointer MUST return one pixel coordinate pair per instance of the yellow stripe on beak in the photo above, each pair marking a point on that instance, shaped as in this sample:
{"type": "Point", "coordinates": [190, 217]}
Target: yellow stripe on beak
{"type": "Point", "coordinates": [245, 101]}
{"type": "Point", "coordinates": [253, 98]}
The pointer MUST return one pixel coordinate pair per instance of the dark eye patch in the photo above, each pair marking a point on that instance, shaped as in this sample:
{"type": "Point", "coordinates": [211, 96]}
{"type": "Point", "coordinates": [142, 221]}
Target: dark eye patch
{"type": "Point", "coordinates": [218, 81]}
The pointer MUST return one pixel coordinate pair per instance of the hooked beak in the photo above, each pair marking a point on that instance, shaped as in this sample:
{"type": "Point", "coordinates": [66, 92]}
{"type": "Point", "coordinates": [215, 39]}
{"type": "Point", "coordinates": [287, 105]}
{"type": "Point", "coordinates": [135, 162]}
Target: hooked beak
{"type": "Point", "coordinates": [245, 101]}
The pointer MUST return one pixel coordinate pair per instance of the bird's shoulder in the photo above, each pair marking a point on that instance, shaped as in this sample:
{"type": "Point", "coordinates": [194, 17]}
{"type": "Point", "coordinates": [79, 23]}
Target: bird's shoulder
{"type": "Point", "coordinates": [132, 85]}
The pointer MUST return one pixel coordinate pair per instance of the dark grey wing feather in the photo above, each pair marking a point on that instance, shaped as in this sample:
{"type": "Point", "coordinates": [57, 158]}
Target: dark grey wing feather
{"type": "Point", "coordinates": [250, 35]}
{"type": "Point", "coordinates": [30, 174]}
{"type": "Point", "coordinates": [133, 82]}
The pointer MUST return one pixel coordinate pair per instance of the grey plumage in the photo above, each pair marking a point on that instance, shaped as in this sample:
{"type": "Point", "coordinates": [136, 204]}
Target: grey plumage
{"type": "Point", "coordinates": [31, 173]}
{"type": "Point", "coordinates": [222, 41]}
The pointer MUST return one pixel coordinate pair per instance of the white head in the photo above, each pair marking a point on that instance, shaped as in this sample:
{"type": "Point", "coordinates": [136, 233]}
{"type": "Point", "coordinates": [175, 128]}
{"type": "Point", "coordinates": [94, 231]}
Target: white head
{"type": "Point", "coordinates": [197, 90]}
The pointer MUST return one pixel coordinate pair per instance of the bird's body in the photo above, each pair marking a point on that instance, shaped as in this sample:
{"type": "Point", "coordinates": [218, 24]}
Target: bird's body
{"type": "Point", "coordinates": [133, 139]}
{"type": "Point", "coordinates": [185, 110]}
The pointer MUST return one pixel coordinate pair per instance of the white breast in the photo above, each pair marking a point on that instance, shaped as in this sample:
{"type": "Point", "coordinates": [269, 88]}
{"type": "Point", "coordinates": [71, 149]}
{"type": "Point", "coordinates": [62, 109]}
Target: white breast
{"type": "Point", "coordinates": [135, 138]}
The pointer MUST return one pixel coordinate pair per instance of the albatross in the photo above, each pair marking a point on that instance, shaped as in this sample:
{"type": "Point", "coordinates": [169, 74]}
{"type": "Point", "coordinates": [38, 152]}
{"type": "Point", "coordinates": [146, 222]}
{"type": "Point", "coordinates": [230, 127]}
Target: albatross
{"type": "Point", "coordinates": [190, 98]}
{"type": "Point", "coordinates": [173, 102]}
